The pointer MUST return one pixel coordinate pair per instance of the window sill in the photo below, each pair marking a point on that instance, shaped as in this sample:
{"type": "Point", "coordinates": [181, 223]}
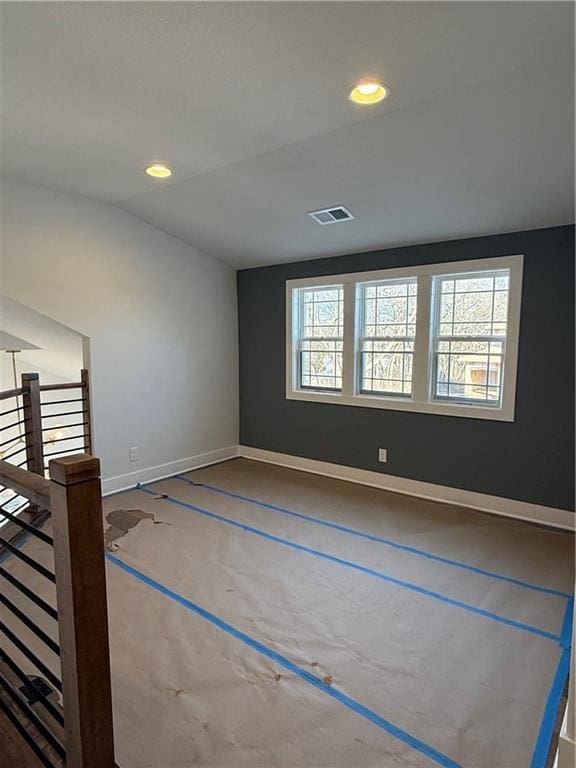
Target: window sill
{"type": "Point", "coordinates": [403, 404]}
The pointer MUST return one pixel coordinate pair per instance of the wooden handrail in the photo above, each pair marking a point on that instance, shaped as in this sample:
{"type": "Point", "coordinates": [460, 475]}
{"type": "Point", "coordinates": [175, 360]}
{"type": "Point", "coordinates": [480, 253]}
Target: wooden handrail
{"type": "Point", "coordinates": [8, 393]}
{"type": "Point", "coordinates": [29, 485]}
{"type": "Point", "coordinates": [64, 385]}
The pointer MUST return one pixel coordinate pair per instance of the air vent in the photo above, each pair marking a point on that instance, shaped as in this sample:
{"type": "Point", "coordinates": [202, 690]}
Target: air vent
{"type": "Point", "coordinates": [331, 215]}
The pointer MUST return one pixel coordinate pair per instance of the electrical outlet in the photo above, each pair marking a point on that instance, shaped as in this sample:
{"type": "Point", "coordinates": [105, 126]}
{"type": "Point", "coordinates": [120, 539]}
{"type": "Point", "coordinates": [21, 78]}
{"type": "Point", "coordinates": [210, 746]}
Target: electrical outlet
{"type": "Point", "coordinates": [383, 455]}
{"type": "Point", "coordinates": [133, 453]}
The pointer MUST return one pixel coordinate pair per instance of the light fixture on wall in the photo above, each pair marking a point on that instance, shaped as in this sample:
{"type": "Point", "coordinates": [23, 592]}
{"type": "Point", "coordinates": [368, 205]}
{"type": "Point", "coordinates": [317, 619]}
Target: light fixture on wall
{"type": "Point", "coordinates": [368, 92]}
{"type": "Point", "coordinates": [12, 345]}
{"type": "Point", "coordinates": [57, 433]}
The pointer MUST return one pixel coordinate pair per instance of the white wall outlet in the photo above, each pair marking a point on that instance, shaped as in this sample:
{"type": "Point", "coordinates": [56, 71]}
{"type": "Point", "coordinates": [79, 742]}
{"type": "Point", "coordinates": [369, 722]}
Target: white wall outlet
{"type": "Point", "coordinates": [383, 455]}
{"type": "Point", "coordinates": [133, 453]}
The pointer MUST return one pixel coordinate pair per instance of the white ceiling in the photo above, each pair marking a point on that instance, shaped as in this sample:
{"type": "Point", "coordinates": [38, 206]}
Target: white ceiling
{"type": "Point", "coordinates": [247, 103]}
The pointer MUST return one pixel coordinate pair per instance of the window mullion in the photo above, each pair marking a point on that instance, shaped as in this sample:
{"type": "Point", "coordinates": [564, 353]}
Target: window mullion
{"type": "Point", "coordinates": [421, 360]}
{"type": "Point", "coordinates": [349, 344]}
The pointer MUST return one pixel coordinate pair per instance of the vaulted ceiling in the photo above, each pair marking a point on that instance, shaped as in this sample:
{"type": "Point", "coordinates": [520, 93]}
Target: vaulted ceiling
{"type": "Point", "coordinates": [247, 103]}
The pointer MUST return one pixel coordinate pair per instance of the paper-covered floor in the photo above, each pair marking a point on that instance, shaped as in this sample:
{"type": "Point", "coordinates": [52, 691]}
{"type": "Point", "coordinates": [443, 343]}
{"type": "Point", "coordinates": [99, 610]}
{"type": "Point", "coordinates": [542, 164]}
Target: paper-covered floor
{"type": "Point", "coordinates": [270, 618]}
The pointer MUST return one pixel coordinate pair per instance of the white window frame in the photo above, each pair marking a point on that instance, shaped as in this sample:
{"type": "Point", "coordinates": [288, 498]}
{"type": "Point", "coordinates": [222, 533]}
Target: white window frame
{"type": "Point", "coordinates": [300, 339]}
{"type": "Point", "coordinates": [421, 400]}
{"type": "Point", "coordinates": [360, 338]}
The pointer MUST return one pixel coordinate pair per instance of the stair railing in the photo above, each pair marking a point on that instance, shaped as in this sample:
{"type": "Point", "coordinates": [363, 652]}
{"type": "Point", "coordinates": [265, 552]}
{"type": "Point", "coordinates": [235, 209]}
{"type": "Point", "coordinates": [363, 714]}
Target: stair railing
{"type": "Point", "coordinates": [66, 718]}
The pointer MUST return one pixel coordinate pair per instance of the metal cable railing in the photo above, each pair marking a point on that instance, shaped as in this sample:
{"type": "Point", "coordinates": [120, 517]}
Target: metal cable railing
{"type": "Point", "coordinates": [30, 562]}
{"type": "Point", "coordinates": [39, 423]}
{"type": "Point", "coordinates": [52, 710]}
{"type": "Point", "coordinates": [37, 732]}
{"type": "Point", "coordinates": [62, 424]}
{"type": "Point", "coordinates": [31, 656]}
{"type": "Point", "coordinates": [27, 592]}
{"type": "Point", "coordinates": [19, 522]}
{"type": "Point", "coordinates": [27, 710]}
{"type": "Point", "coordinates": [26, 526]}
{"type": "Point", "coordinates": [14, 432]}
{"type": "Point", "coordinates": [32, 626]}
{"type": "Point", "coordinates": [25, 734]}
{"type": "Point", "coordinates": [40, 689]}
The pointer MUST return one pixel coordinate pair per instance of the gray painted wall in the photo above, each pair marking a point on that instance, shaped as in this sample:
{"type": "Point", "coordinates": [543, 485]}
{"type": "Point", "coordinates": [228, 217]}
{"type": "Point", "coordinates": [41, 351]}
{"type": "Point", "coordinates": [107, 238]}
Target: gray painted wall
{"type": "Point", "coordinates": [531, 459]}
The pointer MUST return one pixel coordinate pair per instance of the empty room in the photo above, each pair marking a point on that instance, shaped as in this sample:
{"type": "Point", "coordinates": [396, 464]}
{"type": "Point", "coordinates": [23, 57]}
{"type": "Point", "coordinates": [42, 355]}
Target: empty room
{"type": "Point", "coordinates": [287, 352]}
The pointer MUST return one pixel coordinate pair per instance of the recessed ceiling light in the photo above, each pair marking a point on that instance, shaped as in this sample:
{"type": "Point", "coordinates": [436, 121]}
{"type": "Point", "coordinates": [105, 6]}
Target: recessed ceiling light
{"type": "Point", "coordinates": [368, 92]}
{"type": "Point", "coordinates": [159, 171]}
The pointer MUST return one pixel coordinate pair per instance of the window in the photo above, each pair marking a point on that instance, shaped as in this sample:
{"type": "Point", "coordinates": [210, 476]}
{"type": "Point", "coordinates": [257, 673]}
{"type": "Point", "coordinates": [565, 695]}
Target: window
{"type": "Point", "coordinates": [438, 338]}
{"type": "Point", "coordinates": [470, 336]}
{"type": "Point", "coordinates": [386, 341]}
{"type": "Point", "coordinates": [321, 338]}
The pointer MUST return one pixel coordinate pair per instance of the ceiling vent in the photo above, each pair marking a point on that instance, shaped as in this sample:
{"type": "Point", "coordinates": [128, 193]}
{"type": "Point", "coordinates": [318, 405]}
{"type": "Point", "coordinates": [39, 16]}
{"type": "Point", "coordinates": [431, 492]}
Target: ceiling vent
{"type": "Point", "coordinates": [331, 215]}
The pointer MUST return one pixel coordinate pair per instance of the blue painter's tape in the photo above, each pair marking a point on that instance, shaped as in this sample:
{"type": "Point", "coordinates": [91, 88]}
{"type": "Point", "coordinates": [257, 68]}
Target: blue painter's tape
{"type": "Point", "coordinates": [304, 674]}
{"type": "Point", "coordinates": [361, 568]}
{"type": "Point", "coordinates": [380, 539]}
{"type": "Point", "coordinates": [566, 633]}
{"type": "Point", "coordinates": [542, 747]}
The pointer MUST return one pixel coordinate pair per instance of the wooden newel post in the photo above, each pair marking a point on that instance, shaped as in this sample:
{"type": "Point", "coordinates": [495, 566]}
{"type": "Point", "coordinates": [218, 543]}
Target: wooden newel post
{"type": "Point", "coordinates": [76, 502]}
{"type": "Point", "coordinates": [33, 423]}
{"type": "Point", "coordinates": [32, 432]}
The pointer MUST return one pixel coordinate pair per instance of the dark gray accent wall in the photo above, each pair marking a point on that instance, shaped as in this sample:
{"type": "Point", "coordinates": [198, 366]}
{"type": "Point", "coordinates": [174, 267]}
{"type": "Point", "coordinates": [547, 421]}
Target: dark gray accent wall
{"type": "Point", "coordinates": [531, 459]}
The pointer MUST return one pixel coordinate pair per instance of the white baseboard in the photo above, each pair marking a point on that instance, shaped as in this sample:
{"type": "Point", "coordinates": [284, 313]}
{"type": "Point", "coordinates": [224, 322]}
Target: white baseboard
{"type": "Point", "coordinates": [498, 505]}
{"type": "Point", "coordinates": [534, 513]}
{"type": "Point", "coordinates": [161, 471]}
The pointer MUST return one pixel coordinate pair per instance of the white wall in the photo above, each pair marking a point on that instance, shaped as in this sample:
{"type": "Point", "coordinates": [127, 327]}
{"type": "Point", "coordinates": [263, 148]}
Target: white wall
{"type": "Point", "coordinates": [161, 318]}
{"type": "Point", "coordinates": [60, 354]}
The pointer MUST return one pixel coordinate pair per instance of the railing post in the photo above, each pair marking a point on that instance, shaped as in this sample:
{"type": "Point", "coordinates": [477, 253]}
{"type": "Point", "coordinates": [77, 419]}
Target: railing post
{"type": "Point", "coordinates": [76, 502]}
{"type": "Point", "coordinates": [85, 379]}
{"type": "Point", "coordinates": [33, 423]}
{"type": "Point", "coordinates": [32, 431]}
